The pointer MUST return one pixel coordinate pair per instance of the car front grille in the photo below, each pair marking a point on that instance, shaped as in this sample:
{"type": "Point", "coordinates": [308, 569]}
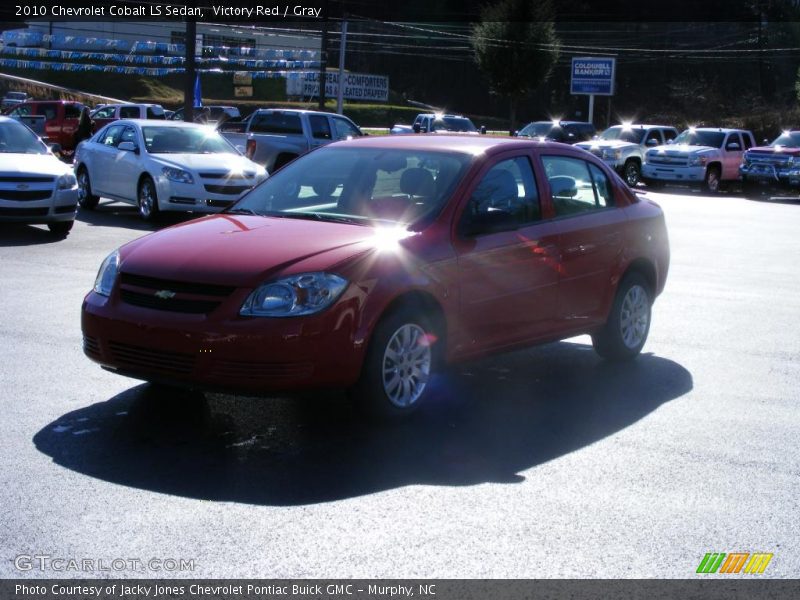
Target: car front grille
{"type": "Point", "coordinates": [26, 179]}
{"type": "Point", "coordinates": [25, 195]}
{"type": "Point", "coordinates": [772, 160]}
{"type": "Point", "coordinates": [23, 212]}
{"type": "Point", "coordinates": [230, 190]}
{"type": "Point", "coordinates": [168, 295]}
{"type": "Point", "coordinates": [226, 175]}
{"type": "Point", "coordinates": [138, 358]}
{"type": "Point", "coordinates": [669, 160]}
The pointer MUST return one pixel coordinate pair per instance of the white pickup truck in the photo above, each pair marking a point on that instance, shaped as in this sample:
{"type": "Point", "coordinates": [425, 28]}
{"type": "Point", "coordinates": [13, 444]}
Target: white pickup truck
{"type": "Point", "coordinates": [623, 147]}
{"type": "Point", "coordinates": [273, 137]}
{"type": "Point", "coordinates": [704, 156]}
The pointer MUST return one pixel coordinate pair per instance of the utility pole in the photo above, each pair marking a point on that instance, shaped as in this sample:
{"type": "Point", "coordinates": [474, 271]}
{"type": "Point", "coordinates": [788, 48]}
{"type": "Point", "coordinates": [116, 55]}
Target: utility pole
{"type": "Point", "coordinates": [323, 57]}
{"type": "Point", "coordinates": [342, 43]}
{"type": "Point", "coordinates": [189, 71]}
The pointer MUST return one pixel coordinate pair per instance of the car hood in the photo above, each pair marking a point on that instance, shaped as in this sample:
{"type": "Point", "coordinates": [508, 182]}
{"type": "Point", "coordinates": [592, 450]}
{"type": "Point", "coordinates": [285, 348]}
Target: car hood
{"type": "Point", "coordinates": [605, 144]}
{"type": "Point", "coordinates": [683, 149]}
{"type": "Point", "coordinates": [243, 250]}
{"type": "Point", "coordinates": [201, 162]}
{"type": "Point", "coordinates": [774, 150]}
{"type": "Point", "coordinates": [39, 164]}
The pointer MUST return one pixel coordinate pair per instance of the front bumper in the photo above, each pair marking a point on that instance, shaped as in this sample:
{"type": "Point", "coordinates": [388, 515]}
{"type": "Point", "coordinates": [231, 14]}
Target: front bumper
{"type": "Point", "coordinates": [676, 174]}
{"type": "Point", "coordinates": [218, 351]}
{"type": "Point", "coordinates": [203, 196]}
{"type": "Point", "coordinates": [770, 175]}
{"type": "Point", "coordinates": [62, 205]}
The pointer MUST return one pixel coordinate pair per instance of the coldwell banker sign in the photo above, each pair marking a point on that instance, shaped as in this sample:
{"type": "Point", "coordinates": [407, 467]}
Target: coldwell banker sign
{"type": "Point", "coordinates": [593, 76]}
{"type": "Point", "coordinates": [357, 86]}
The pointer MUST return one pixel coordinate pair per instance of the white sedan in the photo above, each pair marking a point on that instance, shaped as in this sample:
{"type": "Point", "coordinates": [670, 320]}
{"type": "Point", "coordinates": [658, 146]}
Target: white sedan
{"type": "Point", "coordinates": [163, 166]}
{"type": "Point", "coordinates": [35, 187]}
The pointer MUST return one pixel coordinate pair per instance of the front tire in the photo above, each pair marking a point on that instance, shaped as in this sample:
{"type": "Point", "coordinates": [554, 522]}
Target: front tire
{"type": "Point", "coordinates": [712, 180]}
{"type": "Point", "coordinates": [631, 173]}
{"type": "Point", "coordinates": [398, 367]}
{"type": "Point", "coordinates": [147, 199]}
{"type": "Point", "coordinates": [60, 228]}
{"type": "Point", "coordinates": [628, 325]}
{"type": "Point", "coordinates": [86, 199]}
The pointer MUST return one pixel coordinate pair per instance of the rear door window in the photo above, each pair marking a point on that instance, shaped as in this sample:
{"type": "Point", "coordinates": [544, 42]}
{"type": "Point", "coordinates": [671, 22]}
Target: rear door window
{"type": "Point", "coordinates": [50, 111]}
{"type": "Point", "coordinates": [129, 112]}
{"type": "Point", "coordinates": [72, 111]}
{"type": "Point", "coordinates": [277, 123]}
{"type": "Point", "coordinates": [320, 128]}
{"type": "Point", "coordinates": [576, 186]}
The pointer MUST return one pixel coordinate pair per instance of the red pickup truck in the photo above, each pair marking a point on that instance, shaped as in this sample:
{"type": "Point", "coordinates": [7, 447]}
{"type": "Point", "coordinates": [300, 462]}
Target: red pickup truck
{"type": "Point", "coordinates": [61, 119]}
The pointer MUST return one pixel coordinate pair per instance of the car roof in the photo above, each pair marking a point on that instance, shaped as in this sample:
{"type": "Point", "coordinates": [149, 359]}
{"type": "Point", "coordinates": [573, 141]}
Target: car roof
{"type": "Point", "coordinates": [720, 129]}
{"type": "Point", "coordinates": [53, 102]}
{"type": "Point", "coordinates": [561, 123]}
{"type": "Point", "coordinates": [463, 143]}
{"type": "Point", "coordinates": [157, 122]}
{"type": "Point", "coordinates": [642, 126]}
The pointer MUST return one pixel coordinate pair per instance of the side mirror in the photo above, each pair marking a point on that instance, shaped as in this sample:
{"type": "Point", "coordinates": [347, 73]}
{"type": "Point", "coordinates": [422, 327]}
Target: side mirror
{"type": "Point", "coordinates": [493, 221]}
{"type": "Point", "coordinates": [416, 127]}
{"type": "Point", "coordinates": [128, 147]}
{"type": "Point", "coordinates": [483, 129]}
{"type": "Point", "coordinates": [570, 136]}
{"type": "Point", "coordinates": [515, 133]}
{"type": "Point", "coordinates": [670, 142]}
{"type": "Point", "coordinates": [765, 142]}
{"type": "Point", "coordinates": [595, 137]}
{"type": "Point", "coordinates": [652, 142]}
{"type": "Point", "coordinates": [733, 147]}
{"type": "Point", "coordinates": [55, 148]}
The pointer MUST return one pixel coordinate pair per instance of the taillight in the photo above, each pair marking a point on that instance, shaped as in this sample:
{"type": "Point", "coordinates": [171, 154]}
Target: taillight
{"type": "Point", "coordinates": [250, 149]}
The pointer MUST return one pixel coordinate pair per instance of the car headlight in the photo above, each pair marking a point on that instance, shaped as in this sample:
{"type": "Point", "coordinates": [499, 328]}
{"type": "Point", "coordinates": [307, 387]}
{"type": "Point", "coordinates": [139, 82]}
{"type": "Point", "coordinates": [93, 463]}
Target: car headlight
{"type": "Point", "coordinates": [178, 175]}
{"type": "Point", "coordinates": [67, 182]}
{"type": "Point", "coordinates": [616, 154]}
{"type": "Point", "coordinates": [104, 282]}
{"type": "Point", "coordinates": [303, 294]}
{"type": "Point", "coordinates": [698, 161]}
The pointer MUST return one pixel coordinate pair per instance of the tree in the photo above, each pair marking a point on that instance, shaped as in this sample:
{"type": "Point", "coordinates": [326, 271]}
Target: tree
{"type": "Point", "coordinates": [516, 47]}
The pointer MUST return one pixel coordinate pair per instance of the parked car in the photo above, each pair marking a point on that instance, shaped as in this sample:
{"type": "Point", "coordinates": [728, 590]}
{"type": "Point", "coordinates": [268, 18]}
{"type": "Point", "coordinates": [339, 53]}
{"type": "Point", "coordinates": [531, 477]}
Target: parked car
{"type": "Point", "coordinates": [774, 165]}
{"type": "Point", "coordinates": [438, 123]}
{"type": "Point", "coordinates": [368, 264]}
{"type": "Point", "coordinates": [704, 156]}
{"type": "Point", "coordinates": [11, 99]}
{"type": "Point", "coordinates": [274, 137]}
{"type": "Point", "coordinates": [214, 114]}
{"type": "Point", "coordinates": [35, 187]}
{"type": "Point", "coordinates": [566, 132]}
{"type": "Point", "coordinates": [62, 118]}
{"type": "Point", "coordinates": [113, 112]}
{"type": "Point", "coordinates": [623, 147]}
{"type": "Point", "coordinates": [162, 166]}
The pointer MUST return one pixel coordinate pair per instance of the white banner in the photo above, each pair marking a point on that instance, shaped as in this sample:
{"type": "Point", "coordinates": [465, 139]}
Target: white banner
{"type": "Point", "coordinates": [357, 86]}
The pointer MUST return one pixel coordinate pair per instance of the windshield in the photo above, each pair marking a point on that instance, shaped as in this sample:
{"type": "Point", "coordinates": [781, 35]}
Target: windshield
{"type": "Point", "coordinates": [453, 124]}
{"type": "Point", "coordinates": [623, 134]}
{"type": "Point", "coordinates": [185, 140]}
{"type": "Point", "coordinates": [16, 95]}
{"type": "Point", "coordinates": [701, 138]}
{"type": "Point", "coordinates": [539, 129]}
{"type": "Point", "coordinates": [359, 185]}
{"type": "Point", "coordinates": [16, 138]}
{"type": "Point", "coordinates": [789, 139]}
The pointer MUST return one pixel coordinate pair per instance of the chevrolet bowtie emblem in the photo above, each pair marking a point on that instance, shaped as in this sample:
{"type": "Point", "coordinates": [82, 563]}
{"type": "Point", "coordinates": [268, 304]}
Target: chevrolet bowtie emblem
{"type": "Point", "coordinates": [23, 186]}
{"type": "Point", "coordinates": [164, 294]}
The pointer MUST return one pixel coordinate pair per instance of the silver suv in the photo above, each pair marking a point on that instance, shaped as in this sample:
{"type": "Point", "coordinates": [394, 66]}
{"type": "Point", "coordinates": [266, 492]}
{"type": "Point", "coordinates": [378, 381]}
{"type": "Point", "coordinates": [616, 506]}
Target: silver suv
{"type": "Point", "coordinates": [623, 147]}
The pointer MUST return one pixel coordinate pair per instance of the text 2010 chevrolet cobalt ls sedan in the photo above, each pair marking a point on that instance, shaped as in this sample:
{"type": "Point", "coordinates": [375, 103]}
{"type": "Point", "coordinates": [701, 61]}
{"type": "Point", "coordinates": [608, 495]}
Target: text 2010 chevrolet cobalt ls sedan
{"type": "Point", "coordinates": [368, 263]}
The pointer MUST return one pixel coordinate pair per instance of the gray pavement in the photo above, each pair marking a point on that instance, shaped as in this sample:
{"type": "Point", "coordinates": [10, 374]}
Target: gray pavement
{"type": "Point", "coordinates": [541, 463]}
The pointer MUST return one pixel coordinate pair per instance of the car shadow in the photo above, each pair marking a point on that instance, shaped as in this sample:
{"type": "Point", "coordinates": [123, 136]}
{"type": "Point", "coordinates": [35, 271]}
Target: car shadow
{"type": "Point", "coordinates": [109, 213]}
{"type": "Point", "coordinates": [19, 234]}
{"type": "Point", "coordinates": [487, 421]}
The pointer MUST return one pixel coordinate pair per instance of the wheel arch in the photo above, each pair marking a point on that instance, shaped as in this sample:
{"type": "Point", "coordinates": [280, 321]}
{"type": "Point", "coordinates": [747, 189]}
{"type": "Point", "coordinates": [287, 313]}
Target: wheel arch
{"type": "Point", "coordinates": [646, 269]}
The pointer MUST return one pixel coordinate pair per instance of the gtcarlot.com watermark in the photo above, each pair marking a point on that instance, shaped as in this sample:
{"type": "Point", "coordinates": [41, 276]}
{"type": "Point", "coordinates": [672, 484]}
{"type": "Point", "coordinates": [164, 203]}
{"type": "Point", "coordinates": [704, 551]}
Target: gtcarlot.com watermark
{"type": "Point", "coordinates": [61, 564]}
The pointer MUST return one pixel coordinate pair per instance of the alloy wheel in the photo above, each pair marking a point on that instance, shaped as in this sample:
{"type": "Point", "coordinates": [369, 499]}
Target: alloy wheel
{"type": "Point", "coordinates": [406, 365]}
{"type": "Point", "coordinates": [634, 316]}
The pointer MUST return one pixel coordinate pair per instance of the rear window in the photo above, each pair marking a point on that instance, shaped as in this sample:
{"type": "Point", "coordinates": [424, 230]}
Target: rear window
{"type": "Point", "coordinates": [276, 122]}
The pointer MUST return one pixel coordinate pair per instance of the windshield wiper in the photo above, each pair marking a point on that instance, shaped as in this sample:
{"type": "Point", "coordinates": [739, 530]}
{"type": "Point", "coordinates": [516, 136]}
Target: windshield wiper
{"type": "Point", "coordinates": [316, 216]}
{"type": "Point", "coordinates": [241, 211]}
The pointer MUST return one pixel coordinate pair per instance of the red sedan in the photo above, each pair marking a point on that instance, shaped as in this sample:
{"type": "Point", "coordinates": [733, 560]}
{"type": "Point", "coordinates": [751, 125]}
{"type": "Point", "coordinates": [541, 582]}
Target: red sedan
{"type": "Point", "coordinates": [369, 263]}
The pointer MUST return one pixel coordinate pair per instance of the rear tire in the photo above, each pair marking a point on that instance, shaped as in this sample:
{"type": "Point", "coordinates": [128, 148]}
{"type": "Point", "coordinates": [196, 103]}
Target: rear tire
{"type": "Point", "coordinates": [628, 325]}
{"type": "Point", "coordinates": [398, 367]}
{"type": "Point", "coordinates": [86, 199]}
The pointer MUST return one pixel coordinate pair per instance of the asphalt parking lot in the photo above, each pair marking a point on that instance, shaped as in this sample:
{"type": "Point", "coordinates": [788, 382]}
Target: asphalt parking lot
{"type": "Point", "coordinates": [542, 463]}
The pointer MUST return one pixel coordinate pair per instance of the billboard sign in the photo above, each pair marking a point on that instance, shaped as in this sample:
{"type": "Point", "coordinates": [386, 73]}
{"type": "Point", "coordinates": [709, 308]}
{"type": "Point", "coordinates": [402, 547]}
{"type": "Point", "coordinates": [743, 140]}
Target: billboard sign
{"type": "Point", "coordinates": [593, 75]}
{"type": "Point", "coordinates": [357, 86]}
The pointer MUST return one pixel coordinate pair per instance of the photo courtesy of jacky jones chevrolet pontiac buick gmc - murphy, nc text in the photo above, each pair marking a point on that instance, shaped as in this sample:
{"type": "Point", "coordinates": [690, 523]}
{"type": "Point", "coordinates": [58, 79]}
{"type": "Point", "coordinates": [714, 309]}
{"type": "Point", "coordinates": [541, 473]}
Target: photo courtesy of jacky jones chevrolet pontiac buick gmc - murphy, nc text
{"type": "Point", "coordinates": [367, 264]}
